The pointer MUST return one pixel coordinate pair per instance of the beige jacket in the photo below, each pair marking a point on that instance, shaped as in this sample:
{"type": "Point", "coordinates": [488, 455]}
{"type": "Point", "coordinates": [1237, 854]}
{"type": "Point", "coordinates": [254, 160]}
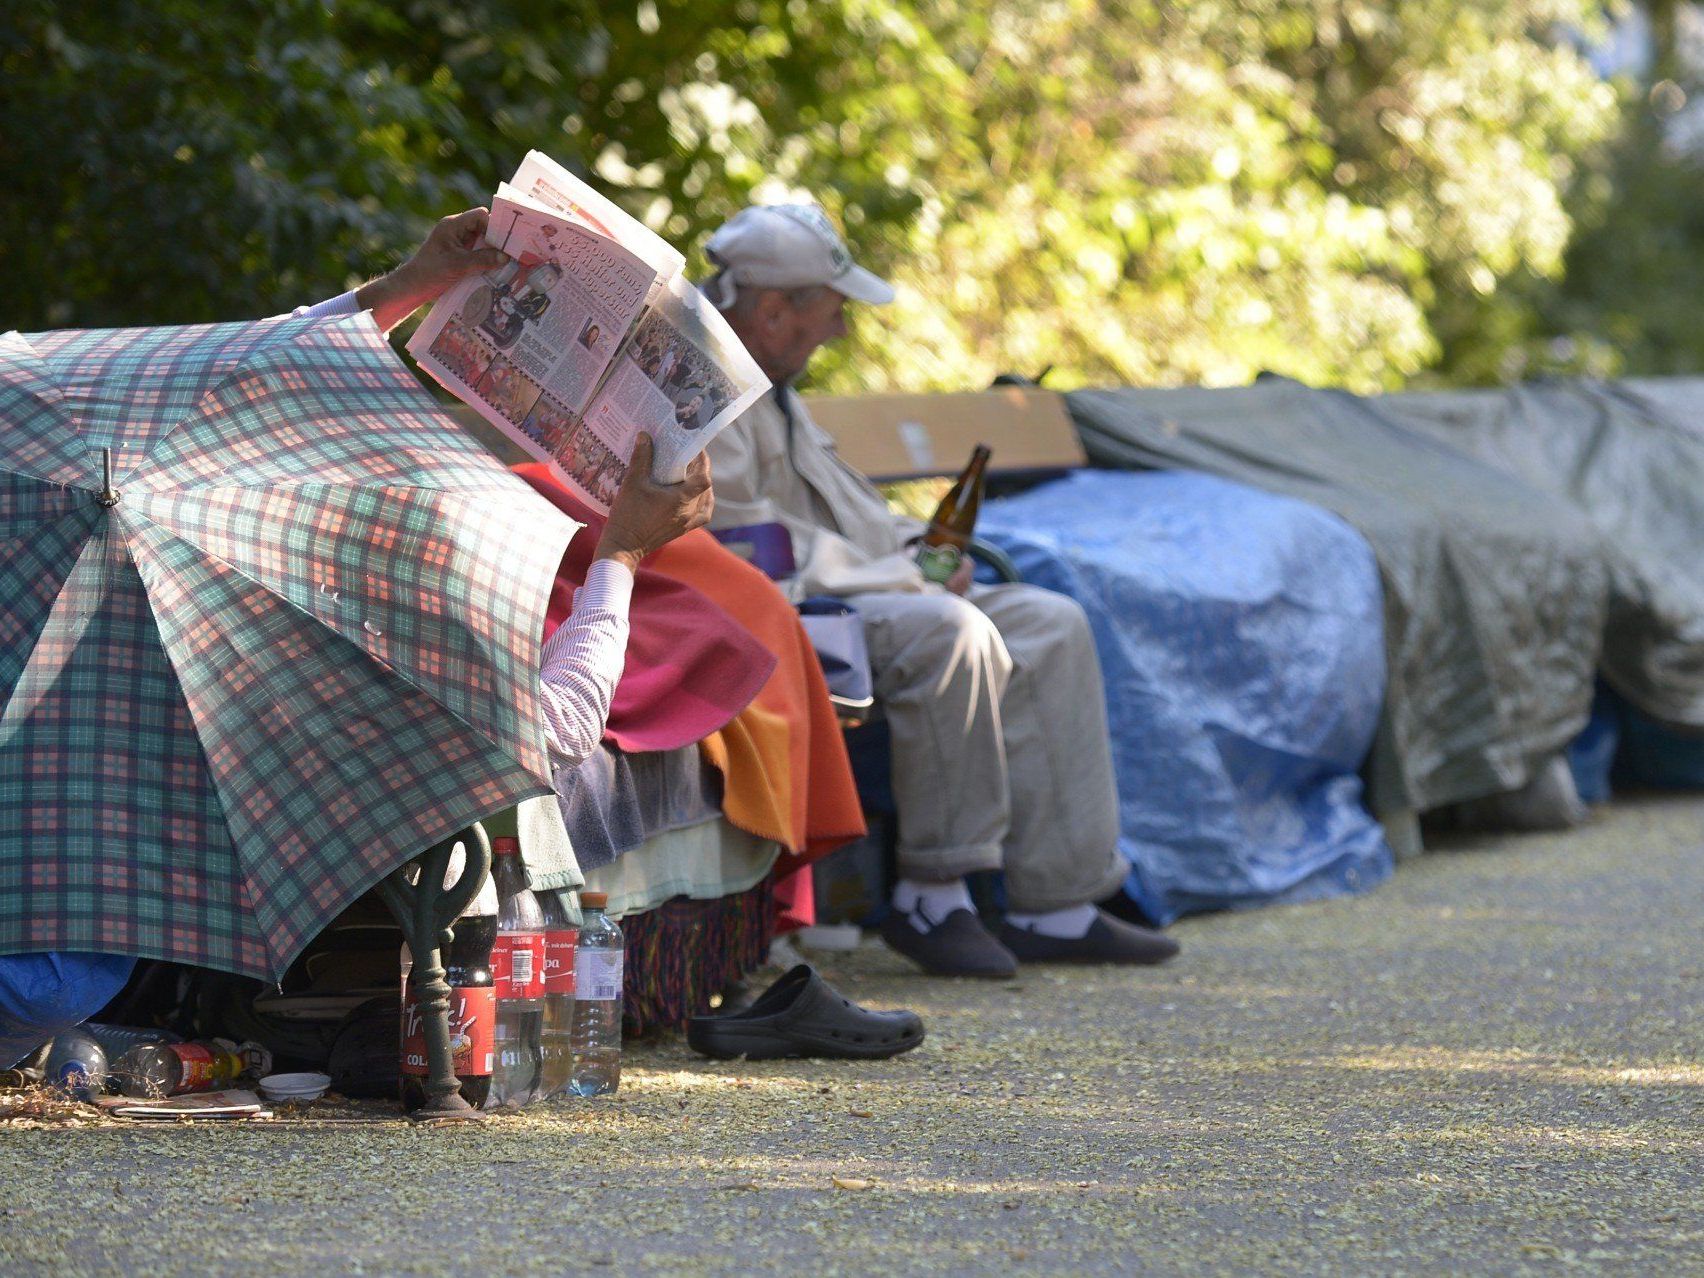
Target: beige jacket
{"type": "Point", "coordinates": [845, 541]}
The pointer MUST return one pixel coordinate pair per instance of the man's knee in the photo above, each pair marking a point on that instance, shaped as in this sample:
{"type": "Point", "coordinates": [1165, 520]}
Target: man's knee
{"type": "Point", "coordinates": [939, 631]}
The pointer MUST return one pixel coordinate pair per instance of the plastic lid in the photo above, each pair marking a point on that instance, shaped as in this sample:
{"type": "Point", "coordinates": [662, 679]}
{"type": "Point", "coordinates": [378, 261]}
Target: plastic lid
{"type": "Point", "coordinates": [594, 900]}
{"type": "Point", "coordinates": [505, 845]}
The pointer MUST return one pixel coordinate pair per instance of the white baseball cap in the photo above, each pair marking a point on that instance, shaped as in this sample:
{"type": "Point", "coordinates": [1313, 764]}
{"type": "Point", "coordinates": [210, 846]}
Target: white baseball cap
{"type": "Point", "coordinates": [787, 246]}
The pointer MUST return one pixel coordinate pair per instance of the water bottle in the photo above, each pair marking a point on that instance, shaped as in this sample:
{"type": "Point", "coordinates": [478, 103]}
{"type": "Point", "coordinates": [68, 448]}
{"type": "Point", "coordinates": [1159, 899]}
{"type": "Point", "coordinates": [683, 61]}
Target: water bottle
{"type": "Point", "coordinates": [597, 1000]}
{"type": "Point", "coordinates": [560, 938]}
{"type": "Point", "coordinates": [517, 970]}
{"type": "Point", "coordinates": [116, 1040]}
{"type": "Point", "coordinates": [76, 1065]}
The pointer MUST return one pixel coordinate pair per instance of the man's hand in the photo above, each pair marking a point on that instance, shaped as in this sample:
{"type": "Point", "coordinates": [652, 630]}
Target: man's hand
{"type": "Point", "coordinates": [454, 249]}
{"type": "Point", "coordinates": [646, 515]}
{"type": "Point", "coordinates": [962, 576]}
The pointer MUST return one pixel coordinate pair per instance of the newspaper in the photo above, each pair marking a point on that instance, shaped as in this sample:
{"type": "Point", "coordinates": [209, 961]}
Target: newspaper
{"type": "Point", "coordinates": [586, 336]}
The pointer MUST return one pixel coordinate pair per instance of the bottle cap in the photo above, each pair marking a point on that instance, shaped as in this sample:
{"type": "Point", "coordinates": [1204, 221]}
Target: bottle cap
{"type": "Point", "coordinates": [505, 845]}
{"type": "Point", "coordinates": [594, 900]}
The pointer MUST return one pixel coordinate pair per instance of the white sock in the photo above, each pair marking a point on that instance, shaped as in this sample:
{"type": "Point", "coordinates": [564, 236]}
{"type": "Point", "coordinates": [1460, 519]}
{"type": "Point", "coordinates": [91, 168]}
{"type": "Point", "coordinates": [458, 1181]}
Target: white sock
{"type": "Point", "coordinates": [1066, 925]}
{"type": "Point", "coordinates": [927, 904]}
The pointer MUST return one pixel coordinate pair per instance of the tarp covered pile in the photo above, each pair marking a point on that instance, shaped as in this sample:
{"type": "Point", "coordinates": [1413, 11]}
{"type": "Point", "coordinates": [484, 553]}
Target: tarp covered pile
{"type": "Point", "coordinates": [1496, 594]}
{"type": "Point", "coordinates": [1241, 642]}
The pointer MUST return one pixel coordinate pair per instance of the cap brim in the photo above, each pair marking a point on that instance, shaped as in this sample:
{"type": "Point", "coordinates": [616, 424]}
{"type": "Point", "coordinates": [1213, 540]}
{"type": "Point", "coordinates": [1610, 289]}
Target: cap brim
{"type": "Point", "coordinates": [861, 286]}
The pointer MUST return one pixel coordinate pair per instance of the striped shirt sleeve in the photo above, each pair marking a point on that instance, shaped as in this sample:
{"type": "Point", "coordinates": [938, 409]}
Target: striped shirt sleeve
{"type": "Point", "coordinates": [583, 662]}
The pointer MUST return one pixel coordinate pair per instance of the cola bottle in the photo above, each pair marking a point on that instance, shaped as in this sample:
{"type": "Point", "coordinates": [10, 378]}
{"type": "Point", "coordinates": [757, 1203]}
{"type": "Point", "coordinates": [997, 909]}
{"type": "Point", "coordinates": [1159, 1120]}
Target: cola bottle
{"type": "Point", "coordinates": [200, 1065]}
{"type": "Point", "coordinates": [473, 1003]}
{"type": "Point", "coordinates": [560, 937]}
{"type": "Point", "coordinates": [517, 971]}
{"type": "Point", "coordinates": [943, 545]}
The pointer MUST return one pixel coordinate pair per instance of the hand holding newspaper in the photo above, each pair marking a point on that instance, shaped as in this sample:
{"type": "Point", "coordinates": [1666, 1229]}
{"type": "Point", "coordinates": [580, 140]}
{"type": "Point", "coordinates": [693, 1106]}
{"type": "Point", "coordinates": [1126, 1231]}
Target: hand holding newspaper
{"type": "Point", "coordinates": [588, 335]}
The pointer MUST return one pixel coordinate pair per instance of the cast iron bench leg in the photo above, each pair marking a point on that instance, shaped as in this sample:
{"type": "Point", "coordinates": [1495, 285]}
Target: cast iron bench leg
{"type": "Point", "coordinates": [427, 911]}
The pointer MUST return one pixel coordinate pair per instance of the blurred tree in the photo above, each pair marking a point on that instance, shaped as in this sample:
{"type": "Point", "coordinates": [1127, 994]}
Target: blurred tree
{"type": "Point", "coordinates": [1627, 300]}
{"type": "Point", "coordinates": [1127, 190]}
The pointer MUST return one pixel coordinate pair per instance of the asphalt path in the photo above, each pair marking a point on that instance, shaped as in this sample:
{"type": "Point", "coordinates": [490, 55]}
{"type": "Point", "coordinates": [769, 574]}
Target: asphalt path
{"type": "Point", "coordinates": [1492, 1064]}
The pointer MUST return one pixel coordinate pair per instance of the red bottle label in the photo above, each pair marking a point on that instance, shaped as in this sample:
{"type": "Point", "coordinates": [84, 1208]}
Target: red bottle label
{"type": "Point", "coordinates": [473, 1032]}
{"type": "Point", "coordinates": [559, 946]}
{"type": "Point", "coordinates": [517, 965]}
{"type": "Point", "coordinates": [197, 1062]}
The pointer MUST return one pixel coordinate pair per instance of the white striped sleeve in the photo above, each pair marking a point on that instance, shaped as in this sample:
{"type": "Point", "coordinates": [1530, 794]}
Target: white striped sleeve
{"type": "Point", "coordinates": [582, 662]}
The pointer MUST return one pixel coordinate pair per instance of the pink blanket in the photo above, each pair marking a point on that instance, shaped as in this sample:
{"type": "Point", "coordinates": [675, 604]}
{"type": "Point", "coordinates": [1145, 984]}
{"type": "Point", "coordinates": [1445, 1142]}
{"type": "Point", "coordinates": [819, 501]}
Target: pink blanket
{"type": "Point", "coordinates": [690, 666]}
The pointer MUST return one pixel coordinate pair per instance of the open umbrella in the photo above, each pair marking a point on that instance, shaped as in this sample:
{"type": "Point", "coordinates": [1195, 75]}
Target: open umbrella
{"type": "Point", "coordinates": [269, 626]}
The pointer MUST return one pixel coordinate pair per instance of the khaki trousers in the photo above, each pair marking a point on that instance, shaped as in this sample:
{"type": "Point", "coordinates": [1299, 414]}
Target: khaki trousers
{"type": "Point", "coordinates": [1000, 750]}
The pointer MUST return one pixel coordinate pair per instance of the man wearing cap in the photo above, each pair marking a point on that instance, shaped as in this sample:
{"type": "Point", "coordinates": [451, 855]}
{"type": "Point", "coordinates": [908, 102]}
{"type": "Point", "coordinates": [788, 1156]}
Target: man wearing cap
{"type": "Point", "coordinates": [992, 693]}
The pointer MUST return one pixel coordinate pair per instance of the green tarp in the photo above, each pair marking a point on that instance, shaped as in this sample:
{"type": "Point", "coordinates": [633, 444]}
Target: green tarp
{"type": "Point", "coordinates": [1496, 593]}
{"type": "Point", "coordinates": [1629, 457]}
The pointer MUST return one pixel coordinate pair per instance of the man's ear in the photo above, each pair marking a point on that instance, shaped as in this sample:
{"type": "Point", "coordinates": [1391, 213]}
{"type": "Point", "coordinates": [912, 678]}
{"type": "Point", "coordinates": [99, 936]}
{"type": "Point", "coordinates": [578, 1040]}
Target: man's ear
{"type": "Point", "coordinates": [772, 309]}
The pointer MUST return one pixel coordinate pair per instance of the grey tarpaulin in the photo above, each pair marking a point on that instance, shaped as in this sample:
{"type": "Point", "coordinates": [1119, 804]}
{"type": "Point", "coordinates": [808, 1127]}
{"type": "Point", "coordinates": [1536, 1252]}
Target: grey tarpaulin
{"type": "Point", "coordinates": [1495, 594]}
{"type": "Point", "coordinates": [1631, 460]}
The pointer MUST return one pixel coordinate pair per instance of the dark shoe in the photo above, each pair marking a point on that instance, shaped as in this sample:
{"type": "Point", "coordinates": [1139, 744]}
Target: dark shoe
{"type": "Point", "coordinates": [803, 1015]}
{"type": "Point", "coordinates": [956, 946]}
{"type": "Point", "coordinates": [1108, 940]}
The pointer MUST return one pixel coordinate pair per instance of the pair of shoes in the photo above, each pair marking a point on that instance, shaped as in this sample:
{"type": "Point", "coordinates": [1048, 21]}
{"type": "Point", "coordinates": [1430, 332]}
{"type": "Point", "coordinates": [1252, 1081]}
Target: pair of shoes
{"type": "Point", "coordinates": [803, 1015]}
{"type": "Point", "coordinates": [956, 946]}
{"type": "Point", "coordinates": [1108, 940]}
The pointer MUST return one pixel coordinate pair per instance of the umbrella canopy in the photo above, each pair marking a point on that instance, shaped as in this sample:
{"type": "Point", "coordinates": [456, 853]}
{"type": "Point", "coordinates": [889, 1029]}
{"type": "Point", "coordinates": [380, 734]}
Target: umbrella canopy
{"type": "Point", "coordinates": [294, 644]}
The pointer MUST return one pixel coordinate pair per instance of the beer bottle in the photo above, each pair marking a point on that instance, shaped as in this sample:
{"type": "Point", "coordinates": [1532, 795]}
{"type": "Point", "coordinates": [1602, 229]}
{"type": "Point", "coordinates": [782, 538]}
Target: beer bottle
{"type": "Point", "coordinates": [949, 532]}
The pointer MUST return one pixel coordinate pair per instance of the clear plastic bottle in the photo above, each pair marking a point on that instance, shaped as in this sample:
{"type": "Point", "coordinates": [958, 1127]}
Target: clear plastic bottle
{"type": "Point", "coordinates": [202, 1065]}
{"type": "Point", "coordinates": [76, 1065]}
{"type": "Point", "coordinates": [560, 938]}
{"type": "Point", "coordinates": [116, 1040]}
{"type": "Point", "coordinates": [517, 970]}
{"type": "Point", "coordinates": [597, 1000]}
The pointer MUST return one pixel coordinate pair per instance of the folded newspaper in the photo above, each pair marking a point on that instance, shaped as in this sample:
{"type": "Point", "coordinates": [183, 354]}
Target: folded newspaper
{"type": "Point", "coordinates": [586, 336]}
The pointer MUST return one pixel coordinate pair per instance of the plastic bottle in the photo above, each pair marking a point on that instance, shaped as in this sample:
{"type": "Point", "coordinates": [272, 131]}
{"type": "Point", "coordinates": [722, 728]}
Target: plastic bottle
{"type": "Point", "coordinates": [116, 1040]}
{"type": "Point", "coordinates": [203, 1065]}
{"type": "Point", "coordinates": [517, 970]}
{"type": "Point", "coordinates": [597, 1000]}
{"type": "Point", "coordinates": [473, 1002]}
{"type": "Point", "coordinates": [556, 1040]}
{"type": "Point", "coordinates": [76, 1065]}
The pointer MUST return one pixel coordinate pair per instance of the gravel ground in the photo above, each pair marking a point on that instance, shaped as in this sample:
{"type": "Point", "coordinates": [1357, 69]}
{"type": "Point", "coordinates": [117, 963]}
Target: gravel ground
{"type": "Point", "coordinates": [1490, 1065]}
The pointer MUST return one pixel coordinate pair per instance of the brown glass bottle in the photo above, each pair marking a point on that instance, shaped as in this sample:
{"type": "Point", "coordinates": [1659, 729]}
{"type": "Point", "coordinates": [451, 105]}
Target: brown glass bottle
{"type": "Point", "coordinates": [950, 531]}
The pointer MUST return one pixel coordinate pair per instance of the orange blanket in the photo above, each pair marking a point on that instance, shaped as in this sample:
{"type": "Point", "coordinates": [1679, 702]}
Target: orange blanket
{"type": "Point", "coordinates": [783, 759]}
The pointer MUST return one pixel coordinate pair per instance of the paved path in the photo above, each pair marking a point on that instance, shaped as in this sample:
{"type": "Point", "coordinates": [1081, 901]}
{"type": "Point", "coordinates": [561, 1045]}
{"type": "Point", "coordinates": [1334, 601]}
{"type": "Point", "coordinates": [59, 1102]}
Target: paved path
{"type": "Point", "coordinates": [1493, 1064]}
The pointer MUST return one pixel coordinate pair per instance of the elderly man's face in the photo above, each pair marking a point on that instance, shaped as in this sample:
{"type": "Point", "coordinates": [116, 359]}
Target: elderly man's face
{"type": "Point", "coordinates": [783, 334]}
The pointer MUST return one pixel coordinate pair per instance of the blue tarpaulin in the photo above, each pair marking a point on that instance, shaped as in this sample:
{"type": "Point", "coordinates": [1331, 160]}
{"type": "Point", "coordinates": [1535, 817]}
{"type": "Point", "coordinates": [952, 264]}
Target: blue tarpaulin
{"type": "Point", "coordinates": [1241, 638]}
{"type": "Point", "coordinates": [44, 994]}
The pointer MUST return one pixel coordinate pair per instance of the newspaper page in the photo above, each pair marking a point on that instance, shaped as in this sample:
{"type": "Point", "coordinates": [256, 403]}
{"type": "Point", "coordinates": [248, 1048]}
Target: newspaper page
{"type": "Point", "coordinates": [587, 336]}
{"type": "Point", "coordinates": [526, 344]}
{"type": "Point", "coordinates": [682, 377]}
{"type": "Point", "coordinates": [542, 179]}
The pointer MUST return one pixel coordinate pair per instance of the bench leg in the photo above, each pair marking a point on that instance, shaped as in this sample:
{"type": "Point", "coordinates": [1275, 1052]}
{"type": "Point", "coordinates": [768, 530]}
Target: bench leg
{"type": "Point", "coordinates": [427, 910]}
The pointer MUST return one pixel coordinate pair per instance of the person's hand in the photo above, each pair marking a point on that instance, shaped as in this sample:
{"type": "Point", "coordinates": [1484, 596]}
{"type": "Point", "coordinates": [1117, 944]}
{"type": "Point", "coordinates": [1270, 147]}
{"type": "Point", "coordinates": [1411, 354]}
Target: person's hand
{"type": "Point", "coordinates": [962, 576]}
{"type": "Point", "coordinates": [646, 515]}
{"type": "Point", "coordinates": [454, 249]}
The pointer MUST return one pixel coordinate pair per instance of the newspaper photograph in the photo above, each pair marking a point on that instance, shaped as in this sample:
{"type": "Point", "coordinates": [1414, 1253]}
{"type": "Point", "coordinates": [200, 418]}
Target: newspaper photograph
{"type": "Point", "coordinates": [585, 336]}
{"type": "Point", "coordinates": [682, 377]}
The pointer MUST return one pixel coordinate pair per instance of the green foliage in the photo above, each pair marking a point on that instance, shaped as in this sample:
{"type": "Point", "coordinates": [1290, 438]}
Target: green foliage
{"type": "Point", "coordinates": [1127, 190]}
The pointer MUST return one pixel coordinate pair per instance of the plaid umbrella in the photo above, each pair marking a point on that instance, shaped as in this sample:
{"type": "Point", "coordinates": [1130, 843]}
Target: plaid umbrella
{"type": "Point", "coordinates": [300, 647]}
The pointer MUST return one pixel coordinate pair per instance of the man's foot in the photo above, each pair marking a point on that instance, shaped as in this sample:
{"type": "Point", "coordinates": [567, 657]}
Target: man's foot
{"type": "Point", "coordinates": [957, 945]}
{"type": "Point", "coordinates": [1108, 940]}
